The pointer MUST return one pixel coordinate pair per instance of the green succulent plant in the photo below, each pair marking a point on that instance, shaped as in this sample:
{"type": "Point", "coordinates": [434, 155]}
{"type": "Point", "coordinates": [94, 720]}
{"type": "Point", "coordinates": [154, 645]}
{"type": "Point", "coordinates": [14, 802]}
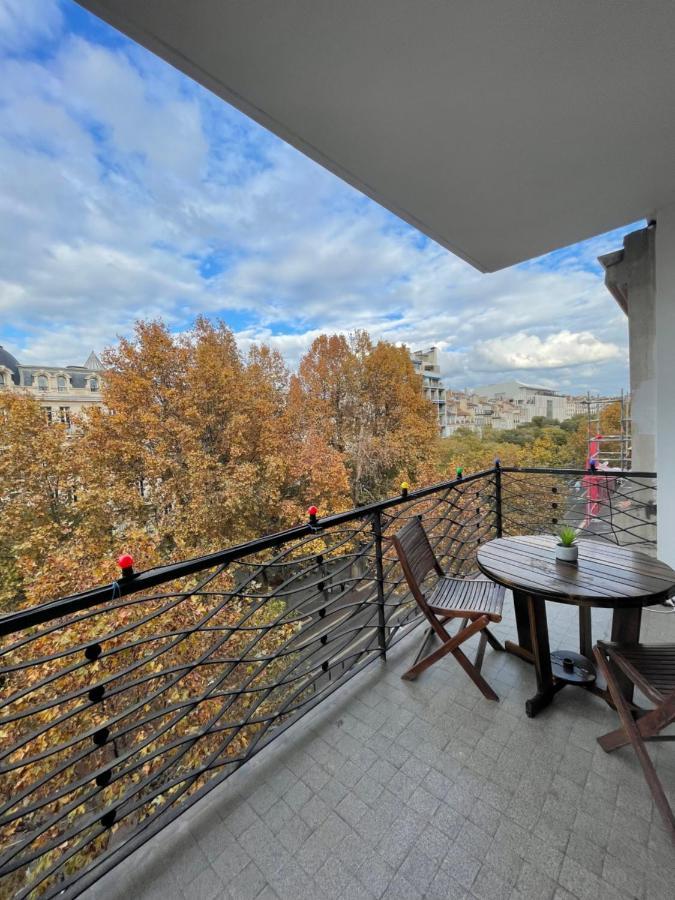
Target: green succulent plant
{"type": "Point", "coordinates": [567, 535]}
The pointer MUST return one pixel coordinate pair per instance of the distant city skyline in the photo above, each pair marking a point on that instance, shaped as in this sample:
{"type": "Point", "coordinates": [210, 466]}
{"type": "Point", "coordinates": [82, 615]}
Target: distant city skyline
{"type": "Point", "coordinates": [129, 191]}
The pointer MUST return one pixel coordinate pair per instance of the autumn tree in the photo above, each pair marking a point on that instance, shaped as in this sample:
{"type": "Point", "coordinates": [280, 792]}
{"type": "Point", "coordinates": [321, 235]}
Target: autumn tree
{"type": "Point", "coordinates": [549, 449]}
{"type": "Point", "coordinates": [201, 446]}
{"type": "Point", "coordinates": [610, 425]}
{"type": "Point", "coordinates": [473, 452]}
{"type": "Point", "coordinates": [327, 390]}
{"type": "Point", "coordinates": [36, 485]}
{"type": "Point", "coordinates": [365, 402]}
{"type": "Point", "coordinates": [198, 432]}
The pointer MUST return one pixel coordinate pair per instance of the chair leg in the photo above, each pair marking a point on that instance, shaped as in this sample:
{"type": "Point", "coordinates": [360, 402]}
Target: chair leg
{"type": "Point", "coordinates": [475, 676]}
{"type": "Point", "coordinates": [635, 738]}
{"type": "Point", "coordinates": [428, 635]}
{"type": "Point", "coordinates": [649, 725]}
{"type": "Point", "coordinates": [480, 653]}
{"type": "Point", "coordinates": [423, 664]}
{"type": "Point", "coordinates": [493, 641]}
{"type": "Point", "coordinates": [452, 646]}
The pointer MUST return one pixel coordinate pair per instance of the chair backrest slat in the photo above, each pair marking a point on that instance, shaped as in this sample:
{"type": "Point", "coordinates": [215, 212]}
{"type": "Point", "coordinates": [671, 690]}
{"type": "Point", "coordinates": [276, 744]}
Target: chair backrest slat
{"type": "Point", "coordinates": [415, 553]}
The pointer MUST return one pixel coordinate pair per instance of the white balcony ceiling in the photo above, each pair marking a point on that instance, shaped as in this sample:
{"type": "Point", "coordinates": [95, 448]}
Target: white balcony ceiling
{"type": "Point", "coordinates": [501, 128]}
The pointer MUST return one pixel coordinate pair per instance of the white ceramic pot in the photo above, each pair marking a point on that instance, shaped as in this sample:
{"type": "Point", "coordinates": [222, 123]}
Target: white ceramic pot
{"type": "Point", "coordinates": [567, 554]}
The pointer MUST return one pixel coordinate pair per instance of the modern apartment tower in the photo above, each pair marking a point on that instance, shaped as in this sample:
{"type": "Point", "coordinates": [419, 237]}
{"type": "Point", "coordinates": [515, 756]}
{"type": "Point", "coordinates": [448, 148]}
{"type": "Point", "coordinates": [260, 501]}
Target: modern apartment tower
{"type": "Point", "coordinates": [426, 364]}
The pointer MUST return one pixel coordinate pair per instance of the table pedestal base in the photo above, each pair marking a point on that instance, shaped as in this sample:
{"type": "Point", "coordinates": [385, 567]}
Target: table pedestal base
{"type": "Point", "coordinates": [572, 668]}
{"type": "Point", "coordinates": [520, 652]}
{"type": "Point", "coordinates": [567, 667]}
{"type": "Point", "coordinates": [555, 670]}
{"type": "Point", "coordinates": [542, 699]}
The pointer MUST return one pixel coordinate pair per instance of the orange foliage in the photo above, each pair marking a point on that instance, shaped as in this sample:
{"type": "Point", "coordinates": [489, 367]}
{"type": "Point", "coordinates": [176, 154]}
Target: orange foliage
{"type": "Point", "coordinates": [367, 402]}
{"type": "Point", "coordinates": [199, 448]}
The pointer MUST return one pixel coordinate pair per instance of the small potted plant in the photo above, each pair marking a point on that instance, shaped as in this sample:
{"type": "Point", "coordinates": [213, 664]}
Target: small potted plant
{"type": "Point", "coordinates": [566, 549]}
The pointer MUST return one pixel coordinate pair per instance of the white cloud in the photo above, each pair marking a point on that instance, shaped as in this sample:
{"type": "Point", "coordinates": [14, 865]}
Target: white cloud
{"type": "Point", "coordinates": [121, 184]}
{"type": "Point", "coordinates": [556, 351]}
{"type": "Point", "coordinates": [25, 23]}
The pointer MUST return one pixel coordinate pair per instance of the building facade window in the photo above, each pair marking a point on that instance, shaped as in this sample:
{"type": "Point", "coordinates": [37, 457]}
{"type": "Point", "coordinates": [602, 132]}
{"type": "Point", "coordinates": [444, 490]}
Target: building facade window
{"type": "Point", "coordinates": [2, 379]}
{"type": "Point", "coordinates": [42, 383]}
{"type": "Point", "coordinates": [61, 384]}
{"type": "Point", "coordinates": [27, 379]}
{"type": "Point", "coordinates": [64, 415]}
{"type": "Point", "coordinates": [93, 384]}
{"type": "Point", "coordinates": [47, 410]}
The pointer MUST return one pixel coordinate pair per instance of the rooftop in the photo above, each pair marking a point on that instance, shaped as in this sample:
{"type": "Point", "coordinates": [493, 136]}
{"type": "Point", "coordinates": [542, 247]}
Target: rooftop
{"type": "Point", "coordinates": [93, 363]}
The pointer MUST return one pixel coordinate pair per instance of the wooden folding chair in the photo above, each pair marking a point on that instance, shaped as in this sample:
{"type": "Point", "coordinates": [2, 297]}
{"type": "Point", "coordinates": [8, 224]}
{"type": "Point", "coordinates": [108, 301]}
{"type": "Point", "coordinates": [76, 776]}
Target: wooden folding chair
{"type": "Point", "coordinates": [476, 602]}
{"type": "Point", "coordinates": [651, 668]}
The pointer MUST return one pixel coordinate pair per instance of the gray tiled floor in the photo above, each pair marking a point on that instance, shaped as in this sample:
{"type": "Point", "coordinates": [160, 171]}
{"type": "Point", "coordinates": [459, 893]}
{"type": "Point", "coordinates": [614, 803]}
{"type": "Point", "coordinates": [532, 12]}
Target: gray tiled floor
{"type": "Point", "coordinates": [395, 789]}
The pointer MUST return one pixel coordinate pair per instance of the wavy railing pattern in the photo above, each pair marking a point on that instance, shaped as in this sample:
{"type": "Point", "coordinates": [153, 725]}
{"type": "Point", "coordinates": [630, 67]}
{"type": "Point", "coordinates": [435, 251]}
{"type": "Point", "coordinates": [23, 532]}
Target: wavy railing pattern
{"type": "Point", "coordinates": [116, 717]}
{"type": "Point", "coordinates": [122, 706]}
{"type": "Point", "coordinates": [619, 507]}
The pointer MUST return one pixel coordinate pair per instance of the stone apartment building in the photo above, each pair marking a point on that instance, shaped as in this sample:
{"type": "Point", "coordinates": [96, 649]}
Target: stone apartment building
{"type": "Point", "coordinates": [460, 409]}
{"type": "Point", "coordinates": [470, 410]}
{"type": "Point", "coordinates": [63, 391]}
{"type": "Point", "coordinates": [500, 406]}
{"type": "Point", "coordinates": [577, 406]}
{"type": "Point", "coordinates": [532, 400]}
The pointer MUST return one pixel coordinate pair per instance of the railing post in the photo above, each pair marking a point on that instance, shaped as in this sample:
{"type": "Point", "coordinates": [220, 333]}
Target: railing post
{"type": "Point", "coordinates": [379, 577]}
{"type": "Point", "coordinates": [498, 497]}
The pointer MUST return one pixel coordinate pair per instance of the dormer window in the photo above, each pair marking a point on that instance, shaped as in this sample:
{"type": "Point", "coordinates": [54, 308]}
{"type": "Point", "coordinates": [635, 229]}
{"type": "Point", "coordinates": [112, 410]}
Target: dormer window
{"type": "Point", "coordinates": [42, 383]}
{"type": "Point", "coordinates": [93, 384]}
{"type": "Point", "coordinates": [61, 384]}
{"type": "Point", "coordinates": [2, 379]}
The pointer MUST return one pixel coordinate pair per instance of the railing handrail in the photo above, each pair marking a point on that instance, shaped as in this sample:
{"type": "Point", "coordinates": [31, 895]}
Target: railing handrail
{"type": "Point", "coordinates": [611, 473]}
{"type": "Point", "coordinates": [140, 581]}
{"type": "Point", "coordinates": [46, 612]}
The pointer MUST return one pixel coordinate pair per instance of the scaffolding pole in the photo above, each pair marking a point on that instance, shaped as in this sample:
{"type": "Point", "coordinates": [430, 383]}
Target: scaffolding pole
{"type": "Point", "coordinates": [613, 449]}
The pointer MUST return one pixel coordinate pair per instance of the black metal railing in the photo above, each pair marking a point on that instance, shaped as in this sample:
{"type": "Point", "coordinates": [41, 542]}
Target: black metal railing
{"type": "Point", "coordinates": [615, 506]}
{"type": "Point", "coordinates": [121, 706]}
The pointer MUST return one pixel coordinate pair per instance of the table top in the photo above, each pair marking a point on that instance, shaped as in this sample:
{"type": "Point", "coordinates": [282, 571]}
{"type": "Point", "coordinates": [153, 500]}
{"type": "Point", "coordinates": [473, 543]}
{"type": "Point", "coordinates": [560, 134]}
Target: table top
{"type": "Point", "coordinates": [606, 575]}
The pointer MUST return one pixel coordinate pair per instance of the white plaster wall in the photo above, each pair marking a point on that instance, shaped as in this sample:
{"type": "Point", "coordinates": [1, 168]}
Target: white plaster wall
{"type": "Point", "coordinates": [665, 380]}
{"type": "Point", "coordinates": [638, 271]}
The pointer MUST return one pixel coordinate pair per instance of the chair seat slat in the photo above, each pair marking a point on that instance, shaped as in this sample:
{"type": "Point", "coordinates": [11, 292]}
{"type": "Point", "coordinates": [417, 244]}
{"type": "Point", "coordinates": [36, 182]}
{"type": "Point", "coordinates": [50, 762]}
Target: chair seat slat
{"type": "Point", "coordinates": [655, 663]}
{"type": "Point", "coordinates": [461, 596]}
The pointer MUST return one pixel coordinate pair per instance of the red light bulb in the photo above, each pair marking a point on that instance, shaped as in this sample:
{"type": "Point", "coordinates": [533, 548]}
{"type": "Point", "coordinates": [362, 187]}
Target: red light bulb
{"type": "Point", "coordinates": [312, 511]}
{"type": "Point", "coordinates": [125, 562]}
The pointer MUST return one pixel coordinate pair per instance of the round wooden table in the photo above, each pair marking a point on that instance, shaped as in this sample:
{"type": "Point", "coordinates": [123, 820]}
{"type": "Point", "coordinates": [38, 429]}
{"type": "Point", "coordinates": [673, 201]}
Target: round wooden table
{"type": "Point", "coordinates": [606, 575]}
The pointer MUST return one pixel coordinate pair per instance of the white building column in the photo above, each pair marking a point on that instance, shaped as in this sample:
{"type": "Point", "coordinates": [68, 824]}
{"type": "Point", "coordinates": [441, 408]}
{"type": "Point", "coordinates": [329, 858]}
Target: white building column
{"type": "Point", "coordinates": [629, 276]}
{"type": "Point", "coordinates": [664, 309]}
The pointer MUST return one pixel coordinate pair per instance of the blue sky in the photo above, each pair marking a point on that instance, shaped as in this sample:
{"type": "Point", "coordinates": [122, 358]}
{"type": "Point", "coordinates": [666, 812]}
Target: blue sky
{"type": "Point", "coordinates": [128, 191]}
